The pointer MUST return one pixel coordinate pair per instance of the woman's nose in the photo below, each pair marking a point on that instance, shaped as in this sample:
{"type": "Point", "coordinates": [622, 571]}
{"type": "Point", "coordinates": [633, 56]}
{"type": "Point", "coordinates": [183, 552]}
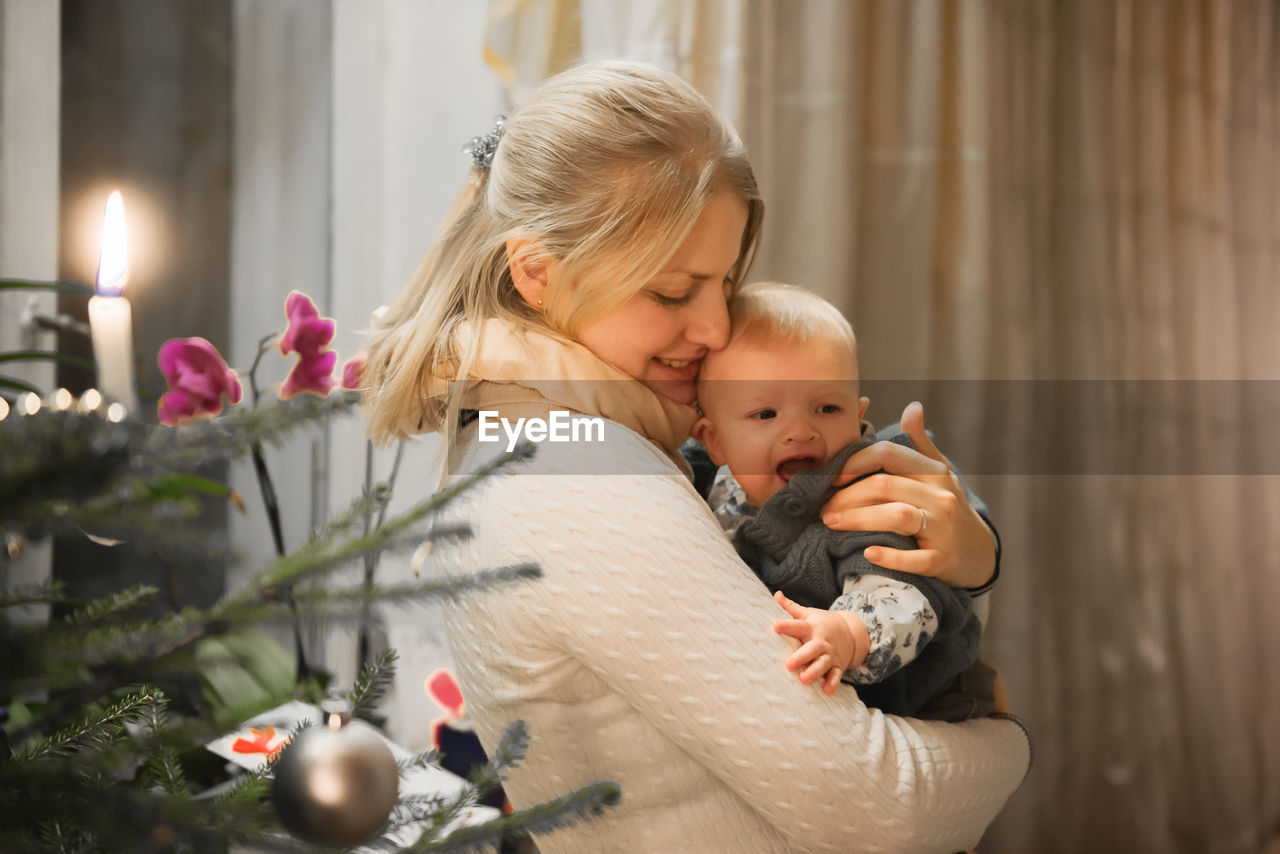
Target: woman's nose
{"type": "Point", "coordinates": [708, 323]}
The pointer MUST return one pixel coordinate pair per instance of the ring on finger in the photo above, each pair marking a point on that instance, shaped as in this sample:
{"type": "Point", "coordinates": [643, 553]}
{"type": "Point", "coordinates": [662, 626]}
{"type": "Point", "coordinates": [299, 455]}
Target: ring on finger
{"type": "Point", "coordinates": [924, 522]}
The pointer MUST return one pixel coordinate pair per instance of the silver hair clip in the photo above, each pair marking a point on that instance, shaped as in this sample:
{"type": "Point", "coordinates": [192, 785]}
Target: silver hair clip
{"type": "Point", "coordinates": [482, 148]}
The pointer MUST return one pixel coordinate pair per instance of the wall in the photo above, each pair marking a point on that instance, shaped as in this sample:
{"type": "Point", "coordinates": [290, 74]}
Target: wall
{"type": "Point", "coordinates": [349, 123]}
{"type": "Point", "coordinates": [29, 80]}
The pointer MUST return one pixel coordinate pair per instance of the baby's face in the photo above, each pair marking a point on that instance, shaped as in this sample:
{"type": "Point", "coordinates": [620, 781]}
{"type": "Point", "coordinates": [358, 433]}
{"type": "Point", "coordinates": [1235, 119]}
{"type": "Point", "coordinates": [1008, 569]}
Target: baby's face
{"type": "Point", "coordinates": [773, 410]}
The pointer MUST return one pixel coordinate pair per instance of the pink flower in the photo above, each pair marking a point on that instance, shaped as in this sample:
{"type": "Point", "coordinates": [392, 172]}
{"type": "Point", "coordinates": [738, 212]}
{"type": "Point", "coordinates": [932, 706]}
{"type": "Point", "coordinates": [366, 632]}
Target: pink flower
{"type": "Point", "coordinates": [308, 335]}
{"type": "Point", "coordinates": [312, 374]}
{"type": "Point", "coordinates": [198, 378]}
{"type": "Point", "coordinates": [353, 371]}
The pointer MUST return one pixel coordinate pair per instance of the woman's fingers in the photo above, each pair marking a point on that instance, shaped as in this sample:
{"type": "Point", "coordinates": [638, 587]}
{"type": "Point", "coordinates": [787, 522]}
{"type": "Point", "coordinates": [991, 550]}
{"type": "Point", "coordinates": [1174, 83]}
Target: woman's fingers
{"type": "Point", "coordinates": [900, 517]}
{"type": "Point", "coordinates": [917, 562]}
{"type": "Point", "coordinates": [895, 459]}
{"type": "Point", "coordinates": [912, 424]}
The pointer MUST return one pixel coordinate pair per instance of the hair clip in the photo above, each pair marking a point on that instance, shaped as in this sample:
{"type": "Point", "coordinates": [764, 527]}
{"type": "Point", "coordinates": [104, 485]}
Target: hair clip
{"type": "Point", "coordinates": [482, 148]}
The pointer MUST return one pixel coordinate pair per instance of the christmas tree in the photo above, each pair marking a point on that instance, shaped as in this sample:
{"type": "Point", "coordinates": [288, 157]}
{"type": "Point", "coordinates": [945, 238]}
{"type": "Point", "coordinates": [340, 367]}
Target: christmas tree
{"type": "Point", "coordinates": [107, 707]}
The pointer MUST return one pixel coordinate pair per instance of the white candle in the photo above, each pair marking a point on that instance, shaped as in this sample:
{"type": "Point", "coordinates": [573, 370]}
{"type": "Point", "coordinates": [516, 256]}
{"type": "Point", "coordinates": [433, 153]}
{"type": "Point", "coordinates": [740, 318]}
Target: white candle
{"type": "Point", "coordinates": [110, 318]}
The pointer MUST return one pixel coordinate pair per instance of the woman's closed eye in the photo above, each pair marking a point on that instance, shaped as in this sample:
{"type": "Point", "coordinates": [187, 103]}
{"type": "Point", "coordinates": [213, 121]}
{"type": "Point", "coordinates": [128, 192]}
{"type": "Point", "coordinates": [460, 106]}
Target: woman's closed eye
{"type": "Point", "coordinates": [671, 300]}
{"type": "Point", "coordinates": [676, 299]}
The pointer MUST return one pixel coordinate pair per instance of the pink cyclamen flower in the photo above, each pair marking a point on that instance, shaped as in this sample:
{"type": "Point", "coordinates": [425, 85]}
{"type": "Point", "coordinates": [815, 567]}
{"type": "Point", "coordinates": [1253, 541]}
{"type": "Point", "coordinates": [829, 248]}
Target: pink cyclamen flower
{"type": "Point", "coordinates": [198, 379]}
{"type": "Point", "coordinates": [308, 335]}
{"type": "Point", "coordinates": [353, 371]}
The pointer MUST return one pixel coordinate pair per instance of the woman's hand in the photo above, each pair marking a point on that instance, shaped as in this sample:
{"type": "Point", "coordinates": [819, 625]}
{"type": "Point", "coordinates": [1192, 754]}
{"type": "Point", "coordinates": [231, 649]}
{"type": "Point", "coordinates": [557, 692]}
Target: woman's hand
{"type": "Point", "coordinates": [956, 546]}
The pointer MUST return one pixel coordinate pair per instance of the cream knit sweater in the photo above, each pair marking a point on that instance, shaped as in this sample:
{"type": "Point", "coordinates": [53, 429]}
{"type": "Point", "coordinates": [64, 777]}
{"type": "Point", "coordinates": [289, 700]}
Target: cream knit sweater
{"type": "Point", "coordinates": [643, 655]}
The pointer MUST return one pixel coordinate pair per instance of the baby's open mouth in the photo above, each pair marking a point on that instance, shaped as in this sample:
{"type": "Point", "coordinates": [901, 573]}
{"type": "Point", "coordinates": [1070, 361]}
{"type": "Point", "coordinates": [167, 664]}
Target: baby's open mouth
{"type": "Point", "coordinates": [787, 468]}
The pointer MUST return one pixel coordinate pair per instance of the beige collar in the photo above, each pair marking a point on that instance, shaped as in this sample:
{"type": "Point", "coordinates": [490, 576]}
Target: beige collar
{"type": "Point", "coordinates": [515, 368]}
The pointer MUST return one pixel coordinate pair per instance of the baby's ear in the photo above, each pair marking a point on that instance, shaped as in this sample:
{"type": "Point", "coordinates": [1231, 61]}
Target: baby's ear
{"type": "Point", "coordinates": [863, 403]}
{"type": "Point", "coordinates": [705, 433]}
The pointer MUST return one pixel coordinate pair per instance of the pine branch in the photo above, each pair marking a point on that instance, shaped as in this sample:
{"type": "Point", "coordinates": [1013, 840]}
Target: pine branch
{"type": "Point", "coordinates": [375, 677]}
{"type": "Point", "coordinates": [586, 803]}
{"type": "Point", "coordinates": [510, 750]}
{"type": "Point", "coordinates": [48, 593]}
{"type": "Point", "coordinates": [413, 591]}
{"type": "Point", "coordinates": [163, 764]}
{"type": "Point", "coordinates": [252, 785]}
{"type": "Point", "coordinates": [442, 813]}
{"type": "Point", "coordinates": [112, 607]}
{"type": "Point", "coordinates": [99, 729]}
{"type": "Point", "coordinates": [344, 608]}
{"type": "Point", "coordinates": [418, 760]}
{"type": "Point", "coordinates": [234, 434]}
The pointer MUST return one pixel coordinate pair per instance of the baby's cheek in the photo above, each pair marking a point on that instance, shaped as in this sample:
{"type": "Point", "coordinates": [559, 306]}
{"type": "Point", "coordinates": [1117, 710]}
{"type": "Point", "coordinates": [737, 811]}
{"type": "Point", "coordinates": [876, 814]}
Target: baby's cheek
{"type": "Point", "coordinates": [759, 487]}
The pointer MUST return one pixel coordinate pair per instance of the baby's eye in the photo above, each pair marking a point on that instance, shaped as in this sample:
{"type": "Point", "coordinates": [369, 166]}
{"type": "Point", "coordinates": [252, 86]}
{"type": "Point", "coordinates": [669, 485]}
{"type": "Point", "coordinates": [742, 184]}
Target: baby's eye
{"type": "Point", "coordinates": [763, 414]}
{"type": "Point", "coordinates": [829, 408]}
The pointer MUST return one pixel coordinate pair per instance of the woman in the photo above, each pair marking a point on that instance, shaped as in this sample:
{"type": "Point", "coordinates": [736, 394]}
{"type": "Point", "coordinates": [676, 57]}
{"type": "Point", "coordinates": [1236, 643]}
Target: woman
{"type": "Point", "coordinates": [643, 655]}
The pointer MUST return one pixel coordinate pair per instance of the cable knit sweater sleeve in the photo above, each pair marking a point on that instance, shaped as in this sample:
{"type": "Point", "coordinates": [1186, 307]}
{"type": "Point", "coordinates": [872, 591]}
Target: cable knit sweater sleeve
{"type": "Point", "coordinates": [644, 655]}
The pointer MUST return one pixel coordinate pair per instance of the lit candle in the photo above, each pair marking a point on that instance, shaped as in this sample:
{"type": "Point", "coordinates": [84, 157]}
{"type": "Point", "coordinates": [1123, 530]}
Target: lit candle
{"type": "Point", "coordinates": [110, 317]}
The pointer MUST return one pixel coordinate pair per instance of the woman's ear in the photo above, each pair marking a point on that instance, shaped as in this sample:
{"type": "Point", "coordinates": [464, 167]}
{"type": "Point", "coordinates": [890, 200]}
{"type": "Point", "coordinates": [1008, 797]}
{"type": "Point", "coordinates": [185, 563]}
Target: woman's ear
{"type": "Point", "coordinates": [706, 434]}
{"type": "Point", "coordinates": [528, 262]}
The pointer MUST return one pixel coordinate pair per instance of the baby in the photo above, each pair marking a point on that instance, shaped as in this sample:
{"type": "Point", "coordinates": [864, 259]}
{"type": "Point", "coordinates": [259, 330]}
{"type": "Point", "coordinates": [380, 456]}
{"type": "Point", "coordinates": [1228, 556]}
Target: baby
{"type": "Point", "coordinates": [781, 416]}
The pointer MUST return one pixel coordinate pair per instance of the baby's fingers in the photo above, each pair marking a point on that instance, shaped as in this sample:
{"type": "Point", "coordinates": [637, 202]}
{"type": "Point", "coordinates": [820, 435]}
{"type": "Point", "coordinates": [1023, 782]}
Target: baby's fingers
{"type": "Point", "coordinates": [831, 681]}
{"type": "Point", "coordinates": [790, 607]}
{"type": "Point", "coordinates": [817, 669]}
{"type": "Point", "coordinates": [805, 655]}
{"type": "Point", "coordinates": [801, 630]}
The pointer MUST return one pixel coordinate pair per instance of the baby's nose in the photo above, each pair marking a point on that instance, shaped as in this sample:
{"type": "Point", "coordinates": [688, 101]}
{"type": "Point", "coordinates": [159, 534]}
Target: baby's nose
{"type": "Point", "coordinates": [801, 430]}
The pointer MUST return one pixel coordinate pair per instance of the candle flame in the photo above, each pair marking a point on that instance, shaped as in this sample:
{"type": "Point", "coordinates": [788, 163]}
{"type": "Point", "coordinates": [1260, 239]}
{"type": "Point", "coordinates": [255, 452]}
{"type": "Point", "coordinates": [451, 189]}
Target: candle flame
{"type": "Point", "coordinates": [113, 263]}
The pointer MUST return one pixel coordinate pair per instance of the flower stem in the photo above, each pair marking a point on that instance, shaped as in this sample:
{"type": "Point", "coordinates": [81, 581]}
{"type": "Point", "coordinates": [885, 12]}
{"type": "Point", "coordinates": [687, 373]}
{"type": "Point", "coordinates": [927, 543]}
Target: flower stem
{"type": "Point", "coordinates": [371, 559]}
{"type": "Point", "coordinates": [273, 508]}
{"type": "Point", "coordinates": [273, 518]}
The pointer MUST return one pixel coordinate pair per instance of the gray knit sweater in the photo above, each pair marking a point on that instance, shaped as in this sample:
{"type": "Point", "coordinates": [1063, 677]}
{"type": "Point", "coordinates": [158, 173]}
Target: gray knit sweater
{"type": "Point", "coordinates": [791, 550]}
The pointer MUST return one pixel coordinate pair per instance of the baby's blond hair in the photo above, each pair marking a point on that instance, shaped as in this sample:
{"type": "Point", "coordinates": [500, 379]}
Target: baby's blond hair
{"type": "Point", "coordinates": [768, 312]}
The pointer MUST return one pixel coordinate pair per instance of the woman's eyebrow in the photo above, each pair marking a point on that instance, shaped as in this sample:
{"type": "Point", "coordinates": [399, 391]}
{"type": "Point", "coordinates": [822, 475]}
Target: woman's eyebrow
{"type": "Point", "coordinates": [699, 277]}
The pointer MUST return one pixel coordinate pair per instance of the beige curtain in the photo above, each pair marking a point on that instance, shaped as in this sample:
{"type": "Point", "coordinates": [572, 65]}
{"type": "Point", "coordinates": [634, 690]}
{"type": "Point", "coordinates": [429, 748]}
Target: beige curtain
{"type": "Point", "coordinates": [1057, 224]}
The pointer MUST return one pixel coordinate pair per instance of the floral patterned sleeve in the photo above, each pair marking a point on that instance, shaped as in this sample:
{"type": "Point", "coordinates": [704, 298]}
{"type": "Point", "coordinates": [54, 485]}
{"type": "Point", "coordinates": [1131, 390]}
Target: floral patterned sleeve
{"type": "Point", "coordinates": [899, 621]}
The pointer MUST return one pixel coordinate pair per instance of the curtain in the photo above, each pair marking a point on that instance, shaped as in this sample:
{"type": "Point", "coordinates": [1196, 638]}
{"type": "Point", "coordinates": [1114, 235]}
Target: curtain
{"type": "Point", "coordinates": [1056, 224]}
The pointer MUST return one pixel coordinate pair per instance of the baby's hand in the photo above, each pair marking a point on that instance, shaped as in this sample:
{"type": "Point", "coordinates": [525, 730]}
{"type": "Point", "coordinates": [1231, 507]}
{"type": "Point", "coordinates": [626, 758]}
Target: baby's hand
{"type": "Point", "coordinates": [830, 642]}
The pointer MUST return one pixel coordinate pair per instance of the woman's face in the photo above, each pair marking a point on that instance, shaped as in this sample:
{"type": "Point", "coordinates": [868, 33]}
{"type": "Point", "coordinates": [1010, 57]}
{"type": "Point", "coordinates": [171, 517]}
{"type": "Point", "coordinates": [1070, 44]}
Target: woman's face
{"type": "Point", "coordinates": [660, 334]}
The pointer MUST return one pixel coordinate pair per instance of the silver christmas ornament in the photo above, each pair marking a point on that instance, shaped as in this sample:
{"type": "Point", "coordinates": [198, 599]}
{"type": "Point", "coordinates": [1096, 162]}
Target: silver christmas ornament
{"type": "Point", "coordinates": [337, 783]}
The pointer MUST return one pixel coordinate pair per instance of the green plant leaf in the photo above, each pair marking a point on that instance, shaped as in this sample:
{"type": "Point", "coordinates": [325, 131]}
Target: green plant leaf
{"type": "Point", "coordinates": [49, 356]}
{"type": "Point", "coordinates": [179, 484]}
{"type": "Point", "coordinates": [18, 385]}
{"type": "Point", "coordinates": [36, 285]}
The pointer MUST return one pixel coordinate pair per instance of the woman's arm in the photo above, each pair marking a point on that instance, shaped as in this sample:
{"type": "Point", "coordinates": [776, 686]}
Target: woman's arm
{"type": "Point", "coordinates": [956, 544]}
{"type": "Point", "coordinates": [641, 588]}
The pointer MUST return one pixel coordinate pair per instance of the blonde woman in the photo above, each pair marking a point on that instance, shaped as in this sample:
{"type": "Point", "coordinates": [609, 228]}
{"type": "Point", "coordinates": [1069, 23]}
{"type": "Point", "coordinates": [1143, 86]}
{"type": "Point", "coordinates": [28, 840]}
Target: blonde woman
{"type": "Point", "coordinates": [583, 275]}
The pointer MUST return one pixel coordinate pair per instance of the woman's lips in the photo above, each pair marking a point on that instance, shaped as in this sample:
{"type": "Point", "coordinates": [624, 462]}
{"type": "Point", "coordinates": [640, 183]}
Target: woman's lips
{"type": "Point", "coordinates": [678, 369]}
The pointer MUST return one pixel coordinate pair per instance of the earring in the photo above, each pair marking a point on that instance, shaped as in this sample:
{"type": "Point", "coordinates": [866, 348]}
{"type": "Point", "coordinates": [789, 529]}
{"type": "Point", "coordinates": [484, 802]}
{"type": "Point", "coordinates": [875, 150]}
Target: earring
{"type": "Point", "coordinates": [539, 302]}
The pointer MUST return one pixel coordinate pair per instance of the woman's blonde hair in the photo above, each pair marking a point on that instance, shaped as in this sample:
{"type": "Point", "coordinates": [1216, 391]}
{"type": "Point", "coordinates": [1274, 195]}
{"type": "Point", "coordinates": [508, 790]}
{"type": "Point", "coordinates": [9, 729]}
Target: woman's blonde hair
{"type": "Point", "coordinates": [606, 168]}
